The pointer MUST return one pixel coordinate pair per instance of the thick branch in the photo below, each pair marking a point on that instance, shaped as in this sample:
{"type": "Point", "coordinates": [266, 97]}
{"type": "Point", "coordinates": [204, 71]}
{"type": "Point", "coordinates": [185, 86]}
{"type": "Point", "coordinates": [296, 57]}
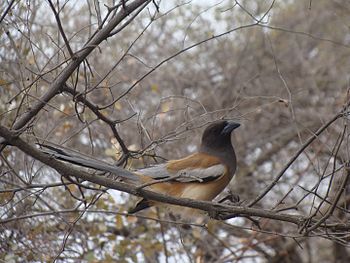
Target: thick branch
{"type": "Point", "coordinates": [212, 208]}
{"type": "Point", "coordinates": [103, 34]}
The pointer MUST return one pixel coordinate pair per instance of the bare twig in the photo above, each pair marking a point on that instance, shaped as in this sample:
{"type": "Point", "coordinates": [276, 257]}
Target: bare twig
{"type": "Point", "coordinates": [335, 201]}
{"type": "Point", "coordinates": [60, 28]}
{"type": "Point", "coordinates": [7, 10]}
{"type": "Point", "coordinates": [294, 157]}
{"type": "Point", "coordinates": [72, 66]}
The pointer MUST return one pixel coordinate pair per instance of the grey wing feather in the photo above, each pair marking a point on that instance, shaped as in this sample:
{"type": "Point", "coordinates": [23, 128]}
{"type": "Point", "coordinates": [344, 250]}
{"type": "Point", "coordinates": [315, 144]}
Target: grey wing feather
{"type": "Point", "coordinates": [156, 172]}
{"type": "Point", "coordinates": [188, 175]}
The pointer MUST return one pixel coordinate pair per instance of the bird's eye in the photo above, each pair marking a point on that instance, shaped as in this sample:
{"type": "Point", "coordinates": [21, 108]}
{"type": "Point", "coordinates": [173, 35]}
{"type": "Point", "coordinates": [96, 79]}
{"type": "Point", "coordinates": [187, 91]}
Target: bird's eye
{"type": "Point", "coordinates": [223, 126]}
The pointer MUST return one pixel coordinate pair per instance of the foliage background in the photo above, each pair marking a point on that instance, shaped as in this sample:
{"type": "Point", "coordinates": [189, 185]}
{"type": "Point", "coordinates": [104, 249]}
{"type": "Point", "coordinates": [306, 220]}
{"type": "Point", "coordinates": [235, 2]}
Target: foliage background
{"type": "Point", "coordinates": [281, 68]}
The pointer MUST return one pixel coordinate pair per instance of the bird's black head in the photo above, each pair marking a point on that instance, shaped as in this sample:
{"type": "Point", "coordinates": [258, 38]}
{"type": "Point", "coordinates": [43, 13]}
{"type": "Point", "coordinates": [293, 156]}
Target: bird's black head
{"type": "Point", "coordinates": [217, 135]}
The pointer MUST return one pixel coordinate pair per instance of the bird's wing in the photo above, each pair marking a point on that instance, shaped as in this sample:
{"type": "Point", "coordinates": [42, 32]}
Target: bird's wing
{"type": "Point", "coordinates": [184, 170]}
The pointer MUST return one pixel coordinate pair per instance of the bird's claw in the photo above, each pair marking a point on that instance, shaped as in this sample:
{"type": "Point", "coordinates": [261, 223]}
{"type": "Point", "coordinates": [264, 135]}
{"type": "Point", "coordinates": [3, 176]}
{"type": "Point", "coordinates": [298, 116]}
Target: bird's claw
{"type": "Point", "coordinates": [233, 198]}
{"type": "Point", "coordinates": [220, 215]}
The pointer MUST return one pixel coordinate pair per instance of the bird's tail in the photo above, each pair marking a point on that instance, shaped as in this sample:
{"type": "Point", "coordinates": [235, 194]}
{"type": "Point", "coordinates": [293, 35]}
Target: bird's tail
{"type": "Point", "coordinates": [70, 156]}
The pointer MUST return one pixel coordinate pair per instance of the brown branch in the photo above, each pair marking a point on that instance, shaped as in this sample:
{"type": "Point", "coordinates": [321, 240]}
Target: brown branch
{"type": "Point", "coordinates": [116, 31]}
{"type": "Point", "coordinates": [13, 139]}
{"type": "Point", "coordinates": [7, 10]}
{"type": "Point", "coordinates": [96, 110]}
{"type": "Point", "coordinates": [211, 207]}
{"type": "Point", "coordinates": [80, 56]}
{"type": "Point", "coordinates": [60, 28]}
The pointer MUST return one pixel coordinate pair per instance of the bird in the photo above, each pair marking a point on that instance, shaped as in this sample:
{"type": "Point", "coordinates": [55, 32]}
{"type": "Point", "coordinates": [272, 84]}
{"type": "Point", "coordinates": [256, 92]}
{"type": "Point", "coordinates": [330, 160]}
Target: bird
{"type": "Point", "coordinates": [200, 176]}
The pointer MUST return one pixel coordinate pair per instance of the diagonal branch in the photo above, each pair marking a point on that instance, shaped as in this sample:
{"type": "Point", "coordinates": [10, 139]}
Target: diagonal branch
{"type": "Point", "coordinates": [59, 24]}
{"type": "Point", "coordinates": [13, 139]}
{"type": "Point", "coordinates": [335, 202]}
{"type": "Point", "coordinates": [80, 56]}
{"type": "Point", "coordinates": [96, 110]}
{"type": "Point", "coordinates": [7, 10]}
{"type": "Point", "coordinates": [296, 155]}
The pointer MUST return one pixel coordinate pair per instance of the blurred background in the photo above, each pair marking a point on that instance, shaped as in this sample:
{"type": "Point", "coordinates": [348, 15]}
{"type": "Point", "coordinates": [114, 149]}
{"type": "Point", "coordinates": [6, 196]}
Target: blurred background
{"type": "Point", "coordinates": [280, 68]}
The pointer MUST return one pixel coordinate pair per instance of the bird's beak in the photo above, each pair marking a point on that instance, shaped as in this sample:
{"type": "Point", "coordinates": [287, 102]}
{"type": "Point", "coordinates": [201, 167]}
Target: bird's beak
{"type": "Point", "coordinates": [230, 126]}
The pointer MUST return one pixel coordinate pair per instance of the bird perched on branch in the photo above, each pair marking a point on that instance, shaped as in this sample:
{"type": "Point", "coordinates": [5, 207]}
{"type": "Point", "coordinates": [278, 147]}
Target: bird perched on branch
{"type": "Point", "coordinates": [199, 176]}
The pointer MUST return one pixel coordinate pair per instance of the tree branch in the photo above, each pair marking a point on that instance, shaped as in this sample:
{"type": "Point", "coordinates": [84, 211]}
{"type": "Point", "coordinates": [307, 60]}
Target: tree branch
{"type": "Point", "coordinates": [59, 24]}
{"type": "Point", "coordinates": [296, 155]}
{"type": "Point", "coordinates": [7, 10]}
{"type": "Point", "coordinates": [57, 84]}
{"type": "Point", "coordinates": [13, 139]}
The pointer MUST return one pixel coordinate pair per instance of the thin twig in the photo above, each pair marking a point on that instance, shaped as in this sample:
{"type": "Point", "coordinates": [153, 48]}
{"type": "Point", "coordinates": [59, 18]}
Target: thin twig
{"type": "Point", "coordinates": [294, 157]}
{"type": "Point", "coordinates": [7, 10]}
{"type": "Point", "coordinates": [60, 28]}
{"type": "Point", "coordinates": [335, 202]}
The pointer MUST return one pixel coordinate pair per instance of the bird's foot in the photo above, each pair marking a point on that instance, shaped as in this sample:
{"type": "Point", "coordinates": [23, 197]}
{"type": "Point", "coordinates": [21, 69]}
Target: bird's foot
{"type": "Point", "coordinates": [232, 197]}
{"type": "Point", "coordinates": [220, 215]}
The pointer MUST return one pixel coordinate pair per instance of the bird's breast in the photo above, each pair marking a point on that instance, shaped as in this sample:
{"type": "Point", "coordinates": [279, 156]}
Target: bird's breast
{"type": "Point", "coordinates": [205, 191]}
